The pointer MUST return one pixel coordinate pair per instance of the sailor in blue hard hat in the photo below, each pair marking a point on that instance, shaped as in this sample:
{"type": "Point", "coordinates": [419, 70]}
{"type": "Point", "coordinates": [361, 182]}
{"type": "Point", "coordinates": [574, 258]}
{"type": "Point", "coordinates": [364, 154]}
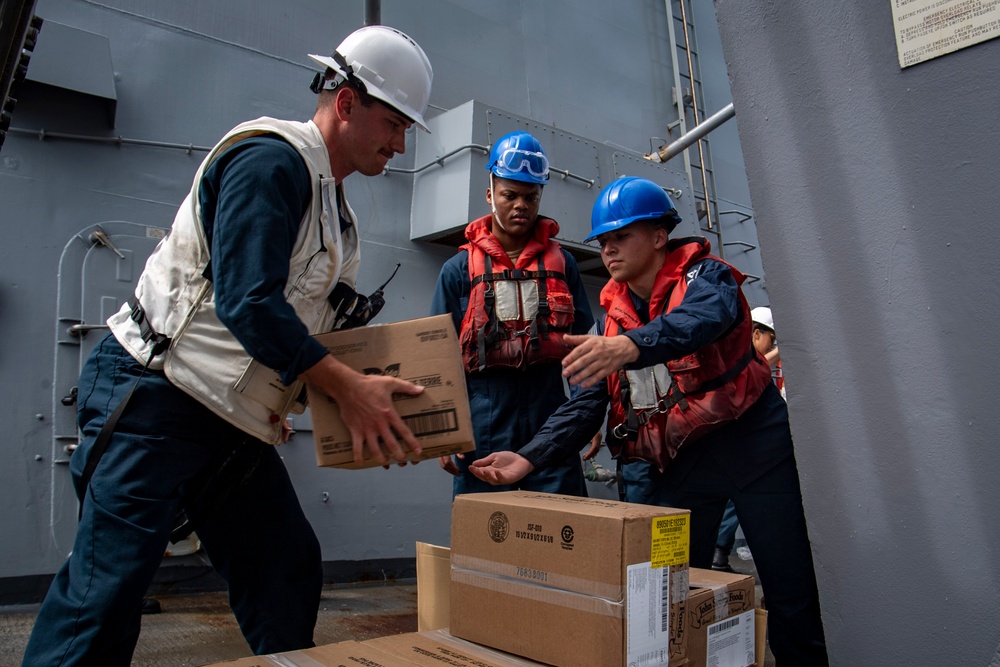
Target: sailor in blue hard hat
{"type": "Point", "coordinates": [691, 412]}
{"type": "Point", "coordinates": [513, 293]}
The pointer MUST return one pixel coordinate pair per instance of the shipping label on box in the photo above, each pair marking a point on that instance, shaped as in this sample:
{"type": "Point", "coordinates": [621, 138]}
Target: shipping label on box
{"type": "Point", "coordinates": [424, 351]}
{"type": "Point", "coordinates": [731, 642]}
{"type": "Point", "coordinates": [527, 565]}
{"type": "Point", "coordinates": [648, 615]}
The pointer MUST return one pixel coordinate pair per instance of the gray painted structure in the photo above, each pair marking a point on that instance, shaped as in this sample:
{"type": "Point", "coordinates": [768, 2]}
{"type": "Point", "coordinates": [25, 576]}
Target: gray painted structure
{"type": "Point", "coordinates": [876, 190]}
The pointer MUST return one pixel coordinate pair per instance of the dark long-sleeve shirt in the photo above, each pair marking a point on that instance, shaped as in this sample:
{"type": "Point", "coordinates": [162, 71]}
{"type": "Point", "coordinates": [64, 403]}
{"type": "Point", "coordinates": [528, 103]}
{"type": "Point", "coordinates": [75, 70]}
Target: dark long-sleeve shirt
{"type": "Point", "coordinates": [709, 309]}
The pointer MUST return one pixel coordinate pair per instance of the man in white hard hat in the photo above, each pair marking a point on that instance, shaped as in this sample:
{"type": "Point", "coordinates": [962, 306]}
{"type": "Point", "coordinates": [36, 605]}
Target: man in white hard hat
{"type": "Point", "coordinates": [262, 253]}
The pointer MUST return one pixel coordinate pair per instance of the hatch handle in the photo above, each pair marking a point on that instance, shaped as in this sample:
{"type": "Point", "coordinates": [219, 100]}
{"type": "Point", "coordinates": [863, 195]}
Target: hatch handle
{"type": "Point", "coordinates": [100, 237]}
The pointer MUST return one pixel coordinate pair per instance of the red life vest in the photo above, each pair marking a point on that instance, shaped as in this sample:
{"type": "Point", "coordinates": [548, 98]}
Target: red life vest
{"type": "Point", "coordinates": [517, 315]}
{"type": "Point", "coordinates": [778, 375]}
{"type": "Point", "coordinates": [656, 410]}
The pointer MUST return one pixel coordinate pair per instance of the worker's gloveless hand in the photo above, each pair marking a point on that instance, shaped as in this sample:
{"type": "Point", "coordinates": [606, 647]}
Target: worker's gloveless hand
{"type": "Point", "coordinates": [594, 448]}
{"type": "Point", "coordinates": [365, 403]}
{"type": "Point", "coordinates": [594, 358]}
{"type": "Point", "coordinates": [448, 464]}
{"type": "Point", "coordinates": [501, 468]}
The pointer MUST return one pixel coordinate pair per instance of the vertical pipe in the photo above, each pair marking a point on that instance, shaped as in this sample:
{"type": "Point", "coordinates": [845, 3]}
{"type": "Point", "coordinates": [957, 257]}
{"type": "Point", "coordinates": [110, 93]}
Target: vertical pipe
{"type": "Point", "coordinates": [373, 12]}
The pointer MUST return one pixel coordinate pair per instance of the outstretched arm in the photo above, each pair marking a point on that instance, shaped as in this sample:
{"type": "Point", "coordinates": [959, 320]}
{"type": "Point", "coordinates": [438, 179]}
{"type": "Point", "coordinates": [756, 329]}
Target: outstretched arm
{"type": "Point", "coordinates": [501, 468]}
{"type": "Point", "coordinates": [594, 358]}
{"type": "Point", "coordinates": [710, 307]}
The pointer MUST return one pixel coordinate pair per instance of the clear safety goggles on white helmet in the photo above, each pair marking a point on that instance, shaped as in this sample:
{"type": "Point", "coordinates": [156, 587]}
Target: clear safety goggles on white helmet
{"type": "Point", "coordinates": [384, 63]}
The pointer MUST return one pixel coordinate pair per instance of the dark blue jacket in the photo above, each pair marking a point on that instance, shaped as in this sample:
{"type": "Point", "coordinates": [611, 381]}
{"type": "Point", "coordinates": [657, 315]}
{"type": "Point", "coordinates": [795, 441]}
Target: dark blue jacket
{"type": "Point", "coordinates": [710, 307]}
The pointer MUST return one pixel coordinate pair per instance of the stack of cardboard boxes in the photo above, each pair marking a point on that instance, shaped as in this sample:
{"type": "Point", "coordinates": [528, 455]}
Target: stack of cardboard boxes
{"type": "Point", "coordinates": [541, 579]}
{"type": "Point", "coordinates": [569, 581]}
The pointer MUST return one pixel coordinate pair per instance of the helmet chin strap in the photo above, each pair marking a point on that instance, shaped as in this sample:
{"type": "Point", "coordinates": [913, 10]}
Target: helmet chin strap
{"type": "Point", "coordinates": [493, 206]}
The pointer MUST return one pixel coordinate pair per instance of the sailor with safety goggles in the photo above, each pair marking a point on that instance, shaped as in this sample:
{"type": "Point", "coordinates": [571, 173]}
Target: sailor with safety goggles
{"type": "Point", "coordinates": [513, 294]}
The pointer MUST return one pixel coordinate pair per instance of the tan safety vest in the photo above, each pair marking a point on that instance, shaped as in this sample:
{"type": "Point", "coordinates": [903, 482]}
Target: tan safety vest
{"type": "Point", "coordinates": [204, 358]}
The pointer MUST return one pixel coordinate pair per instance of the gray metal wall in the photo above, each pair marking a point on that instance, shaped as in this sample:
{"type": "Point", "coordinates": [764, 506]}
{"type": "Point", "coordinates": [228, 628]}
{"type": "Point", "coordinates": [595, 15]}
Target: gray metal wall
{"type": "Point", "coordinates": [186, 71]}
{"type": "Point", "coordinates": [877, 192]}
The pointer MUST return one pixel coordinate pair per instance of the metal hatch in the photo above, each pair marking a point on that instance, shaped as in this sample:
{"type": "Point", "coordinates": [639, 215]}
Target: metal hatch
{"type": "Point", "coordinates": [98, 270]}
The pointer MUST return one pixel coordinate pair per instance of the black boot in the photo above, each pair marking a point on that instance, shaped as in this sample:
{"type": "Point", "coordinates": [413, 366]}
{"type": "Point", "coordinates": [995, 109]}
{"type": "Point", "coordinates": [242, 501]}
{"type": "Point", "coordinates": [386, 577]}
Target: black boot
{"type": "Point", "coordinates": [151, 606]}
{"type": "Point", "coordinates": [720, 561]}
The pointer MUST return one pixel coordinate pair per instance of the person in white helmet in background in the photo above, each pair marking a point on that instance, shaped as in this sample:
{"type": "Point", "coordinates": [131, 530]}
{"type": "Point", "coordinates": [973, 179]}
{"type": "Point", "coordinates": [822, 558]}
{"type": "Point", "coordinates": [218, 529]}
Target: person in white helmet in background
{"type": "Point", "coordinates": [513, 294]}
{"type": "Point", "coordinates": [766, 341]}
{"type": "Point", "coordinates": [261, 254]}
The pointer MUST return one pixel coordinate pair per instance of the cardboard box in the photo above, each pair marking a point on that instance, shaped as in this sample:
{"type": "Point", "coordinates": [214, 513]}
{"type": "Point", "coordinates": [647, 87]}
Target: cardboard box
{"type": "Point", "coordinates": [340, 654]}
{"type": "Point", "coordinates": [433, 579]}
{"type": "Point", "coordinates": [575, 582]}
{"type": "Point", "coordinates": [760, 633]}
{"type": "Point", "coordinates": [438, 648]}
{"type": "Point", "coordinates": [424, 351]}
{"type": "Point", "coordinates": [719, 619]}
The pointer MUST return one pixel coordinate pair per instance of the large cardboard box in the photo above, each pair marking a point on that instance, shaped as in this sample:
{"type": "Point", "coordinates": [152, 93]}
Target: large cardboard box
{"type": "Point", "coordinates": [424, 351]}
{"type": "Point", "coordinates": [440, 649]}
{"type": "Point", "coordinates": [575, 582]}
{"type": "Point", "coordinates": [341, 654]}
{"type": "Point", "coordinates": [719, 619]}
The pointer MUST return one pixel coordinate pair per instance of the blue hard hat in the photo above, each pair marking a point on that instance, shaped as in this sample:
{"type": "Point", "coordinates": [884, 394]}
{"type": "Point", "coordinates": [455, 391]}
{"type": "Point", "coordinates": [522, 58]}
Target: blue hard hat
{"type": "Point", "coordinates": [519, 157]}
{"type": "Point", "coordinates": [627, 199]}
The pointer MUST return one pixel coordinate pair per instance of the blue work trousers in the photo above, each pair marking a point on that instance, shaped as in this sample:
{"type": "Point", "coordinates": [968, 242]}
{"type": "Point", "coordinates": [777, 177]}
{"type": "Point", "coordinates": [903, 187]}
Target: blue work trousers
{"type": "Point", "coordinates": [727, 529]}
{"type": "Point", "coordinates": [165, 445]}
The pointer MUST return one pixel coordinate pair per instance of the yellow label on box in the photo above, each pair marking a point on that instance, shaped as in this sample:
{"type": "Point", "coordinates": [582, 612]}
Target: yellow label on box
{"type": "Point", "coordinates": [671, 540]}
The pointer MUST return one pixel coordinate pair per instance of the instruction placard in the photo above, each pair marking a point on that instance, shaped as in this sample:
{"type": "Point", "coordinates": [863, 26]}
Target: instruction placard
{"type": "Point", "coordinates": [926, 29]}
{"type": "Point", "coordinates": [671, 540]}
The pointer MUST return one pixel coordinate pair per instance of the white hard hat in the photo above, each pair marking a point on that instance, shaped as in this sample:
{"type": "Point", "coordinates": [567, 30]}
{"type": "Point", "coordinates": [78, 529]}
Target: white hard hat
{"type": "Point", "coordinates": [390, 66]}
{"type": "Point", "coordinates": [762, 316]}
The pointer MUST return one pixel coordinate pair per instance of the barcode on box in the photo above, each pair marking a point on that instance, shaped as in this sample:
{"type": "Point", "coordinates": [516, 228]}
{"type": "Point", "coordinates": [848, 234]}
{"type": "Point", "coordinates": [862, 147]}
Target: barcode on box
{"type": "Point", "coordinates": [432, 423]}
{"type": "Point", "coordinates": [665, 605]}
{"type": "Point", "coordinates": [724, 625]}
